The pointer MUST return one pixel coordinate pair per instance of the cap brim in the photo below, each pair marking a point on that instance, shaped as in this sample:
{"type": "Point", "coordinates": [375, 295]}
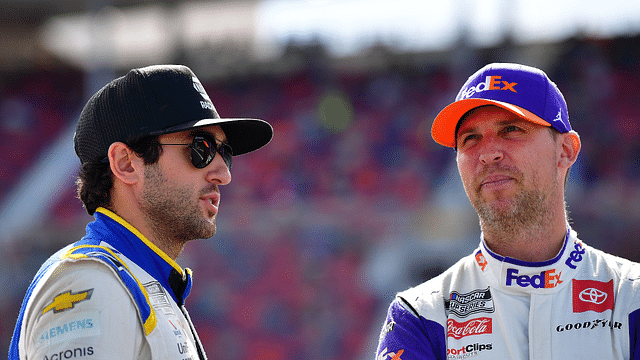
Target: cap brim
{"type": "Point", "coordinates": [443, 129]}
{"type": "Point", "coordinates": [244, 135]}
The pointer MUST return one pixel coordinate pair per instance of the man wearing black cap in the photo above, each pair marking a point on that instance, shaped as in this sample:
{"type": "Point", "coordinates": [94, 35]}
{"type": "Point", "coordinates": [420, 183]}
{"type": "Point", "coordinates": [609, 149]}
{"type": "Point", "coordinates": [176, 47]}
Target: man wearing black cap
{"type": "Point", "coordinates": [153, 153]}
{"type": "Point", "coordinates": [532, 289]}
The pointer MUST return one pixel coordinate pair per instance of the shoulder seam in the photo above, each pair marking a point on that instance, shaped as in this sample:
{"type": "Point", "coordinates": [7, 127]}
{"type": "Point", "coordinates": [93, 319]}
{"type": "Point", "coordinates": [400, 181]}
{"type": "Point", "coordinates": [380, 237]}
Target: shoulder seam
{"type": "Point", "coordinates": [413, 310]}
{"type": "Point", "coordinates": [109, 257]}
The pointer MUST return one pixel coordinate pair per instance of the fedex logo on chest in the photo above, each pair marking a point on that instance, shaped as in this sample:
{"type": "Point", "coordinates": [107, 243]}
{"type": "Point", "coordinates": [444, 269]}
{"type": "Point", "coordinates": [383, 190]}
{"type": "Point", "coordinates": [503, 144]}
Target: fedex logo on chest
{"type": "Point", "coordinates": [491, 83]}
{"type": "Point", "coordinates": [544, 280]}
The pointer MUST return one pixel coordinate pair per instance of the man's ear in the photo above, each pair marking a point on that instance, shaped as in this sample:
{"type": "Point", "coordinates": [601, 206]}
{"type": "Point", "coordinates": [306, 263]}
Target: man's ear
{"type": "Point", "coordinates": [125, 165]}
{"type": "Point", "coordinates": [570, 148]}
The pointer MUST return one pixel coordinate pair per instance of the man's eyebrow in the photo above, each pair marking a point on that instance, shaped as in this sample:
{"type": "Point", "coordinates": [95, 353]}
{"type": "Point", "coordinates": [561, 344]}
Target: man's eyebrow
{"type": "Point", "coordinates": [199, 132]}
{"type": "Point", "coordinates": [500, 123]}
{"type": "Point", "coordinates": [462, 130]}
{"type": "Point", "coordinates": [511, 121]}
{"type": "Point", "coordinates": [205, 134]}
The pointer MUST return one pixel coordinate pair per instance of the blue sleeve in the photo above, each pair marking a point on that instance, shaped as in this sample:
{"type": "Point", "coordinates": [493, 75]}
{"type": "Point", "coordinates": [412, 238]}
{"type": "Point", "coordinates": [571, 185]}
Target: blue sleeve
{"type": "Point", "coordinates": [408, 336]}
{"type": "Point", "coordinates": [634, 324]}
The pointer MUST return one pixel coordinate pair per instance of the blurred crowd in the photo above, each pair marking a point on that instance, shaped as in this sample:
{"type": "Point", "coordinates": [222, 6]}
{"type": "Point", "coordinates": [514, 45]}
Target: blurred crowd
{"type": "Point", "coordinates": [294, 271]}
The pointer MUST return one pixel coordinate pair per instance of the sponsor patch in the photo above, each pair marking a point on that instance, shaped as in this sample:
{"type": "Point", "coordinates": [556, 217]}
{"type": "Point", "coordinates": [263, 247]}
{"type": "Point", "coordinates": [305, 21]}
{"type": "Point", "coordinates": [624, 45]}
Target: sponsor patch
{"type": "Point", "coordinates": [67, 300]}
{"type": "Point", "coordinates": [158, 298]}
{"type": "Point", "coordinates": [468, 351]}
{"type": "Point", "coordinates": [384, 354]}
{"type": "Point", "coordinates": [178, 332]}
{"type": "Point", "coordinates": [79, 352]}
{"type": "Point", "coordinates": [479, 326]}
{"type": "Point", "coordinates": [481, 260]}
{"type": "Point", "coordinates": [84, 324]}
{"type": "Point", "coordinates": [590, 325]}
{"type": "Point", "coordinates": [576, 255]}
{"type": "Point", "coordinates": [206, 104]}
{"type": "Point", "coordinates": [183, 348]}
{"type": "Point", "coordinates": [592, 295]}
{"type": "Point", "coordinates": [199, 88]}
{"type": "Point", "coordinates": [544, 280]}
{"type": "Point", "coordinates": [388, 327]}
{"type": "Point", "coordinates": [473, 302]}
{"type": "Point", "coordinates": [490, 83]}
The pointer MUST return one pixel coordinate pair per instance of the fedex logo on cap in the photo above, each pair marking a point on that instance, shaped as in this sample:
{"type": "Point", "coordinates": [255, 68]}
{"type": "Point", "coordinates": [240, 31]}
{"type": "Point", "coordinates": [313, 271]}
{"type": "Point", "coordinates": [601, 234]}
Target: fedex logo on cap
{"type": "Point", "coordinates": [494, 82]}
{"type": "Point", "coordinates": [545, 280]}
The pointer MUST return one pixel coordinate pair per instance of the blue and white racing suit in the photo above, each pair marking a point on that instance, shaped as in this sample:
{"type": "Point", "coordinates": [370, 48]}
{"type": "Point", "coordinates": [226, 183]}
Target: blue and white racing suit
{"type": "Point", "coordinates": [582, 304]}
{"type": "Point", "coordinates": [111, 295]}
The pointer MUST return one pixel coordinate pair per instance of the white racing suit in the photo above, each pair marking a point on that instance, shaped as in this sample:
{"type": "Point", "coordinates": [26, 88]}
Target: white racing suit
{"type": "Point", "coordinates": [111, 295]}
{"type": "Point", "coordinates": [583, 304]}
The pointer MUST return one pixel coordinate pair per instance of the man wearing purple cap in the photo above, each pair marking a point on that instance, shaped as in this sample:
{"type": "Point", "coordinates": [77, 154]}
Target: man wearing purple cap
{"type": "Point", "coordinates": [153, 153]}
{"type": "Point", "coordinates": [532, 289]}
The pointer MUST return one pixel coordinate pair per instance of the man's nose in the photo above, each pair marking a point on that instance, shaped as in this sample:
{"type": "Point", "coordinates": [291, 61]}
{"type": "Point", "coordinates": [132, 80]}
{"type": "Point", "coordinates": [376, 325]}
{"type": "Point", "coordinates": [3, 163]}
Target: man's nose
{"type": "Point", "coordinates": [218, 172]}
{"type": "Point", "coordinates": [491, 154]}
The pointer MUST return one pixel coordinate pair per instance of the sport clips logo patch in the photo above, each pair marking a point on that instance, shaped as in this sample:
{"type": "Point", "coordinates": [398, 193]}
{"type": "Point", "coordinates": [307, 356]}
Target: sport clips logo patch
{"type": "Point", "coordinates": [491, 83]}
{"type": "Point", "coordinates": [592, 295]}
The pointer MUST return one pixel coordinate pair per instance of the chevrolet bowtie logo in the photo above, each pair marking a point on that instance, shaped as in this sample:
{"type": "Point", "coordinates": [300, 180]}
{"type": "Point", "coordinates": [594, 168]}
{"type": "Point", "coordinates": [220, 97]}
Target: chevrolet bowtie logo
{"type": "Point", "coordinates": [67, 300]}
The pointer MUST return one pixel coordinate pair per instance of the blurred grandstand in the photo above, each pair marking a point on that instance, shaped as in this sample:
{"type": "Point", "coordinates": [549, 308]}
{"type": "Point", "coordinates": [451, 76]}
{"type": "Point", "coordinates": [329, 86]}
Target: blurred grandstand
{"type": "Point", "coordinates": [351, 202]}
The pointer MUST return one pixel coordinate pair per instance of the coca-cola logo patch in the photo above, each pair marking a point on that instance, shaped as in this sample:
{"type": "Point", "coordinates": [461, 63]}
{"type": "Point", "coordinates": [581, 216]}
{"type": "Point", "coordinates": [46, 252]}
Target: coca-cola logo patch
{"type": "Point", "coordinates": [477, 326]}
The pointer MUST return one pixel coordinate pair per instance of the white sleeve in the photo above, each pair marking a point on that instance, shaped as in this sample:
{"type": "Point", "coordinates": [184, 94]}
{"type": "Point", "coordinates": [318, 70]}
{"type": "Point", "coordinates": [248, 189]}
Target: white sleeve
{"type": "Point", "coordinates": [83, 310]}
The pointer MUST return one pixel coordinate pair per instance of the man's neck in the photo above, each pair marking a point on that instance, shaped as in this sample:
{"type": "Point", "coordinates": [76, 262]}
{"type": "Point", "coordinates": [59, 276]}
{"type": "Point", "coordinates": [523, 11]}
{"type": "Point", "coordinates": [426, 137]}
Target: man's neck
{"type": "Point", "coordinates": [169, 246]}
{"type": "Point", "coordinates": [536, 243]}
{"type": "Point", "coordinates": [139, 220]}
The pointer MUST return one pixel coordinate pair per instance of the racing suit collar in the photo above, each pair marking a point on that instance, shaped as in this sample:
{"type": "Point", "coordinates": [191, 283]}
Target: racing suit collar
{"type": "Point", "coordinates": [110, 228]}
{"type": "Point", "coordinates": [519, 276]}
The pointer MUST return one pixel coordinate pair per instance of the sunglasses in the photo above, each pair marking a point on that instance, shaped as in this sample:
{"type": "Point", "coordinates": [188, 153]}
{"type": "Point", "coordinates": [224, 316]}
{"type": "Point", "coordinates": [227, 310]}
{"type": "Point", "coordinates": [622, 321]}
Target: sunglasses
{"type": "Point", "coordinates": [203, 151]}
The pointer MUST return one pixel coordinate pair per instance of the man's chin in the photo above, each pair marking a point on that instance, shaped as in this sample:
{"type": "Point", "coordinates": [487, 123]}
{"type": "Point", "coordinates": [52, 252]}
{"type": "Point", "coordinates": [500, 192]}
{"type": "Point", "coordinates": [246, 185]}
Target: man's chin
{"type": "Point", "coordinates": [210, 229]}
{"type": "Point", "coordinates": [495, 201]}
{"type": "Point", "coordinates": [495, 209]}
{"type": "Point", "coordinates": [205, 228]}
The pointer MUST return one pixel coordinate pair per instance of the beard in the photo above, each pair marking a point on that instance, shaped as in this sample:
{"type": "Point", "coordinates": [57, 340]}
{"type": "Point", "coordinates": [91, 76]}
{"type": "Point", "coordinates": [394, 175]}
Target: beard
{"type": "Point", "coordinates": [528, 210]}
{"type": "Point", "coordinates": [172, 211]}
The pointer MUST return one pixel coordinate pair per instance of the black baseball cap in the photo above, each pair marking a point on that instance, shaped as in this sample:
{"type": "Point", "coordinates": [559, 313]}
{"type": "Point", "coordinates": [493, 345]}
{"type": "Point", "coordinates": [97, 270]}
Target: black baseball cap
{"type": "Point", "coordinates": [156, 100]}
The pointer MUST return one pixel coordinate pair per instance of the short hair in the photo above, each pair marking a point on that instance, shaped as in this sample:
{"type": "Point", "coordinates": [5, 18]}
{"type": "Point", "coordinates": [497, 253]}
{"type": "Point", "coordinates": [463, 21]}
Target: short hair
{"type": "Point", "coordinates": [95, 179]}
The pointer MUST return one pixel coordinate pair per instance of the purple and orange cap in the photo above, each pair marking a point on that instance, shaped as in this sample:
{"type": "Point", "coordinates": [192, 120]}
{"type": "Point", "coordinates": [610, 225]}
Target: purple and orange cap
{"type": "Point", "coordinates": [520, 89]}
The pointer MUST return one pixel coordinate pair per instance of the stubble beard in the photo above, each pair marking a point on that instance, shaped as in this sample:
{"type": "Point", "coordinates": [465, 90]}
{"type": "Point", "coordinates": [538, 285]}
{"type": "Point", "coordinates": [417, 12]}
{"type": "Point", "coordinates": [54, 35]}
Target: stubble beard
{"type": "Point", "coordinates": [172, 211]}
{"type": "Point", "coordinates": [526, 213]}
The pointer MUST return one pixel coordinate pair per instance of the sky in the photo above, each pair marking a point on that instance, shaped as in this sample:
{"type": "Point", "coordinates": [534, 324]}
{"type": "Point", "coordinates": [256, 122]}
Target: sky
{"type": "Point", "coordinates": [433, 25]}
{"type": "Point", "coordinates": [345, 27]}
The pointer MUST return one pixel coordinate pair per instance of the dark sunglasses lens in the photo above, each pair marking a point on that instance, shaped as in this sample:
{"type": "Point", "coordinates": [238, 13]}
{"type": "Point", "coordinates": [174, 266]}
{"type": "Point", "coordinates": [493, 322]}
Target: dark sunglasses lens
{"type": "Point", "coordinates": [203, 152]}
{"type": "Point", "coordinates": [226, 153]}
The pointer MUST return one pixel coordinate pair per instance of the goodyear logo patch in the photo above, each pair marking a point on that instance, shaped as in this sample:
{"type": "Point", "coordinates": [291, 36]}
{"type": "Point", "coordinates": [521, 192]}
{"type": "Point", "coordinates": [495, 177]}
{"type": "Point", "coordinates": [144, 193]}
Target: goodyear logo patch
{"type": "Point", "coordinates": [67, 300]}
